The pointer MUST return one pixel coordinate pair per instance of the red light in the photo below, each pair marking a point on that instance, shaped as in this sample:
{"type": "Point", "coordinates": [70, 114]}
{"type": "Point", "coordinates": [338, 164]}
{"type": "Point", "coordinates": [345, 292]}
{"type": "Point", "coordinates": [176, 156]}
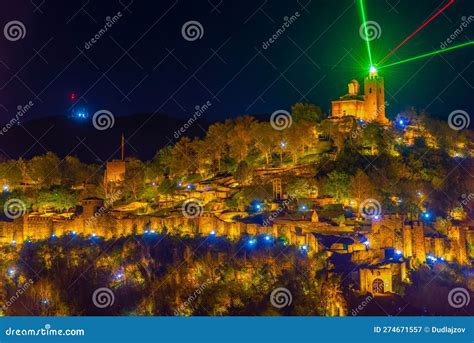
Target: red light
{"type": "Point", "coordinates": [72, 96]}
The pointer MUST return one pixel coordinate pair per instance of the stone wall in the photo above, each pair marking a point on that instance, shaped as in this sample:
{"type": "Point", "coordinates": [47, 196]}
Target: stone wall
{"type": "Point", "coordinates": [108, 226]}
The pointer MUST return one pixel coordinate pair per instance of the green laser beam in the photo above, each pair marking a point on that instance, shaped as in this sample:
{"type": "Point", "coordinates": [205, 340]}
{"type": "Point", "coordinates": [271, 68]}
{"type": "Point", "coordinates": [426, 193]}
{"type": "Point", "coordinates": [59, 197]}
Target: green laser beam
{"type": "Point", "coordinates": [361, 2]}
{"type": "Point", "coordinates": [427, 55]}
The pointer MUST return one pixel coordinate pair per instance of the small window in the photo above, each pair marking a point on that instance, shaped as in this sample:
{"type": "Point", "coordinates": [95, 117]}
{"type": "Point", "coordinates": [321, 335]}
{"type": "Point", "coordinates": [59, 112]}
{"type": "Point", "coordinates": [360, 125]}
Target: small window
{"type": "Point", "coordinates": [370, 90]}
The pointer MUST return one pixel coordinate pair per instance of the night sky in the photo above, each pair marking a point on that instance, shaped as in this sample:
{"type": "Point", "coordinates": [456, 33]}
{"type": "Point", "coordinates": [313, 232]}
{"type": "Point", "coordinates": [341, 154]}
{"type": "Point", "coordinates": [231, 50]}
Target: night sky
{"type": "Point", "coordinates": [144, 65]}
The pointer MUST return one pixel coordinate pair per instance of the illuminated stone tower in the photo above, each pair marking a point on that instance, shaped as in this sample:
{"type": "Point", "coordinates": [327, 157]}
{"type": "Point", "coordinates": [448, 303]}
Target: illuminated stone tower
{"type": "Point", "coordinates": [374, 98]}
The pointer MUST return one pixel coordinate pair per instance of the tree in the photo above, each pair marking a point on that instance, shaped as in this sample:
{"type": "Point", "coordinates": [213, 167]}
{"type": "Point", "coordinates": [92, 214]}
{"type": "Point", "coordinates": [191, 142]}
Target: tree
{"type": "Point", "coordinates": [308, 112]}
{"type": "Point", "coordinates": [298, 137]}
{"type": "Point", "coordinates": [161, 163]}
{"type": "Point", "coordinates": [216, 140]}
{"type": "Point", "coordinates": [182, 157]}
{"type": "Point", "coordinates": [45, 170]}
{"type": "Point", "coordinates": [134, 177]}
{"type": "Point", "coordinates": [240, 138]}
{"type": "Point", "coordinates": [10, 173]}
{"type": "Point", "coordinates": [372, 137]}
{"type": "Point", "coordinates": [202, 158]}
{"type": "Point", "coordinates": [74, 172]}
{"type": "Point", "coordinates": [266, 139]}
{"type": "Point", "coordinates": [58, 198]}
{"type": "Point", "coordinates": [243, 172]}
{"type": "Point", "coordinates": [337, 185]}
{"type": "Point", "coordinates": [361, 187]}
{"type": "Point", "coordinates": [299, 187]}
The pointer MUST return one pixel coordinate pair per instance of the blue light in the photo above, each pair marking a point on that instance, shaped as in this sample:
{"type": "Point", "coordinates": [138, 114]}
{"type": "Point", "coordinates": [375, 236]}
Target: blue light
{"type": "Point", "coordinates": [400, 122]}
{"type": "Point", "coordinates": [45, 301]}
{"type": "Point", "coordinates": [119, 276]}
{"type": "Point", "coordinates": [152, 231]}
{"type": "Point", "coordinates": [11, 272]}
{"type": "Point", "coordinates": [53, 235]}
{"type": "Point", "coordinates": [398, 252]}
{"type": "Point", "coordinates": [94, 235]}
{"type": "Point", "coordinates": [180, 184]}
{"type": "Point", "coordinates": [304, 247]}
{"type": "Point", "coordinates": [268, 237]}
{"type": "Point", "coordinates": [74, 233]}
{"type": "Point", "coordinates": [252, 241]}
{"type": "Point", "coordinates": [427, 215]}
{"type": "Point", "coordinates": [376, 217]}
{"type": "Point", "coordinates": [303, 208]}
{"type": "Point", "coordinates": [366, 243]}
{"type": "Point", "coordinates": [13, 242]}
{"type": "Point", "coordinates": [283, 144]}
{"type": "Point", "coordinates": [432, 258]}
{"type": "Point", "coordinates": [213, 233]}
{"type": "Point", "coordinates": [146, 231]}
{"type": "Point", "coordinates": [6, 188]}
{"type": "Point", "coordinates": [258, 206]}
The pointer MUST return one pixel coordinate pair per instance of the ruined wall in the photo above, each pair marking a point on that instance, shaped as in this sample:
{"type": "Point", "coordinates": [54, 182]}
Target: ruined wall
{"type": "Point", "coordinates": [458, 244]}
{"type": "Point", "coordinates": [418, 239]}
{"type": "Point", "coordinates": [368, 283]}
{"type": "Point", "coordinates": [391, 231]}
{"type": "Point", "coordinates": [108, 226]}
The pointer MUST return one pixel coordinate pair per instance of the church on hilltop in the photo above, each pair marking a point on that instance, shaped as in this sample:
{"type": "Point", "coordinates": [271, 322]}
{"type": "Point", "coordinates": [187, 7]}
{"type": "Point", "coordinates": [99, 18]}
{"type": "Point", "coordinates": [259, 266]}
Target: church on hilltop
{"type": "Point", "coordinates": [369, 106]}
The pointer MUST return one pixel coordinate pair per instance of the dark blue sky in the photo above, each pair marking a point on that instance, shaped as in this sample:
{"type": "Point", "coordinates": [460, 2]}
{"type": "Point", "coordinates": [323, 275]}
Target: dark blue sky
{"type": "Point", "coordinates": [143, 63]}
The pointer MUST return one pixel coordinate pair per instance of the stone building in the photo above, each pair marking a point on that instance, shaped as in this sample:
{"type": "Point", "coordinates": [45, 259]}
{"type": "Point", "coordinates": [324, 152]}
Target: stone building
{"type": "Point", "coordinates": [380, 279]}
{"type": "Point", "coordinates": [369, 106]}
{"type": "Point", "coordinates": [115, 171]}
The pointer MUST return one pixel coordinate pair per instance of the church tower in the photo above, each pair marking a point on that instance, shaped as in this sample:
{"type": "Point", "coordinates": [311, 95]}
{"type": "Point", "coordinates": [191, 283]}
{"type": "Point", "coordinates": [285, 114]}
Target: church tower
{"type": "Point", "coordinates": [374, 98]}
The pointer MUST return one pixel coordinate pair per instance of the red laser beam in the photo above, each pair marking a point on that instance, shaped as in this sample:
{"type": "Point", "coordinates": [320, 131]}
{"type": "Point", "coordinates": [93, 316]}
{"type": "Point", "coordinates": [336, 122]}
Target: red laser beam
{"type": "Point", "coordinates": [429, 20]}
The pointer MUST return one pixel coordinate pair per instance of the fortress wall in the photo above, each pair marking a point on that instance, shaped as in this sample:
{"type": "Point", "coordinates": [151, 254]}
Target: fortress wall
{"type": "Point", "coordinates": [458, 251]}
{"type": "Point", "coordinates": [419, 252]}
{"type": "Point", "coordinates": [41, 228]}
{"type": "Point", "coordinates": [36, 228]}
